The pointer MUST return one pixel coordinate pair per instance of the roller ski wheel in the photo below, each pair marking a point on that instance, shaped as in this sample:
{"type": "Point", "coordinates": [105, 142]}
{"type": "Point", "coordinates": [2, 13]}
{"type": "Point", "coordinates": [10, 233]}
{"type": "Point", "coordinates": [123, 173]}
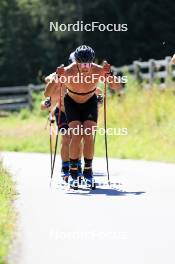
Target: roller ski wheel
{"type": "Point", "coordinates": [93, 187]}
{"type": "Point", "coordinates": [80, 180]}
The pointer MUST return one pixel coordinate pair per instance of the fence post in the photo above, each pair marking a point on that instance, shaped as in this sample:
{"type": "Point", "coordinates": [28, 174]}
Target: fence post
{"type": "Point", "coordinates": [151, 71]}
{"type": "Point", "coordinates": [168, 68]}
{"type": "Point", "coordinates": [30, 88]}
{"type": "Point", "coordinates": [137, 71]}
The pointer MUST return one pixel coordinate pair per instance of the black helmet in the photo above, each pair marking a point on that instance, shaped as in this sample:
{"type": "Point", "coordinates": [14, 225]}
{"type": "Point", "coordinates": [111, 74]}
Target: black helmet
{"type": "Point", "coordinates": [84, 54]}
{"type": "Point", "coordinates": [72, 57]}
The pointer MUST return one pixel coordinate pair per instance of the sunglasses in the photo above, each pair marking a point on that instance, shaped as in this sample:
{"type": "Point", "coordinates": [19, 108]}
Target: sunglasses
{"type": "Point", "coordinates": [85, 65]}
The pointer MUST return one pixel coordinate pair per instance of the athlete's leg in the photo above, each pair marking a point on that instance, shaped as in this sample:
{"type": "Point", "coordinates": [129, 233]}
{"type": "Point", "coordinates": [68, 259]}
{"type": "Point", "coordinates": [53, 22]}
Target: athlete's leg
{"type": "Point", "coordinates": [79, 160]}
{"type": "Point", "coordinates": [65, 141]}
{"type": "Point", "coordinates": [88, 150]}
{"type": "Point", "coordinates": [81, 148]}
{"type": "Point", "coordinates": [76, 137]}
{"type": "Point", "coordinates": [89, 123]}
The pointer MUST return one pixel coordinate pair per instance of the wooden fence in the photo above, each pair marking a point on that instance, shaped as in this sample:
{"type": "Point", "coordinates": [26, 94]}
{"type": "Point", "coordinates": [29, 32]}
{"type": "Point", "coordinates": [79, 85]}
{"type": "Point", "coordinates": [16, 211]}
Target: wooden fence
{"type": "Point", "coordinates": [149, 71]}
{"type": "Point", "coordinates": [16, 98]}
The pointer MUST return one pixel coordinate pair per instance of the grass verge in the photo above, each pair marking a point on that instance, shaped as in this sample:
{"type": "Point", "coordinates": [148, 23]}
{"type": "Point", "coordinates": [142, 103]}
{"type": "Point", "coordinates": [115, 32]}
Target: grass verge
{"type": "Point", "coordinates": [7, 213]}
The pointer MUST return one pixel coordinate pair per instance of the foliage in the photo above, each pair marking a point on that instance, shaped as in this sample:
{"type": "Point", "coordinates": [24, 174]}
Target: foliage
{"type": "Point", "coordinates": [28, 50]}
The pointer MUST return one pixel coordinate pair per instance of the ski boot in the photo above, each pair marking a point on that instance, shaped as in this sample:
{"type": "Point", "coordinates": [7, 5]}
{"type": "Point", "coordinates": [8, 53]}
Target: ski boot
{"type": "Point", "coordinates": [73, 179]}
{"type": "Point", "coordinates": [65, 171]}
{"type": "Point", "coordinates": [89, 179]}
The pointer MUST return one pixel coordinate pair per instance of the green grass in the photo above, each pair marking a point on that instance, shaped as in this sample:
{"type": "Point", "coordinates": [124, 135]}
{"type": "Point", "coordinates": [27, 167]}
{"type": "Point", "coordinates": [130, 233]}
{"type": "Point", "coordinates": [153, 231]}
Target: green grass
{"type": "Point", "coordinates": [148, 115]}
{"type": "Point", "coordinates": [27, 135]}
{"type": "Point", "coordinates": [7, 213]}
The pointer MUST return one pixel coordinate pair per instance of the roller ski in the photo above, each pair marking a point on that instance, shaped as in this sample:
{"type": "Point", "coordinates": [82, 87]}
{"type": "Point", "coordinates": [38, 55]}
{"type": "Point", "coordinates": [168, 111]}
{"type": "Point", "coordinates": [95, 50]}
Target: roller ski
{"type": "Point", "coordinates": [88, 182]}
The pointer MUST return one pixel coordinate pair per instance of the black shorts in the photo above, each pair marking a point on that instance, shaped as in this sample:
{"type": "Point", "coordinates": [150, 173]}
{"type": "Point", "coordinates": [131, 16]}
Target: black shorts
{"type": "Point", "coordinates": [81, 111]}
{"type": "Point", "coordinates": [63, 124]}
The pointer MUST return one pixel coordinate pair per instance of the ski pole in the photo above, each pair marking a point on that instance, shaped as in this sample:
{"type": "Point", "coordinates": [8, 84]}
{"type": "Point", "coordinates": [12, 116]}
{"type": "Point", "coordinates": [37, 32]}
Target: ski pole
{"type": "Point", "coordinates": [50, 119]}
{"type": "Point", "coordinates": [56, 143]}
{"type": "Point", "coordinates": [105, 127]}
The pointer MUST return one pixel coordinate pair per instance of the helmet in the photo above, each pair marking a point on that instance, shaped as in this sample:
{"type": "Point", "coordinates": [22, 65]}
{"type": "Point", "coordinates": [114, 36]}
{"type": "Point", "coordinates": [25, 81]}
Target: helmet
{"type": "Point", "coordinates": [72, 57]}
{"type": "Point", "coordinates": [84, 54]}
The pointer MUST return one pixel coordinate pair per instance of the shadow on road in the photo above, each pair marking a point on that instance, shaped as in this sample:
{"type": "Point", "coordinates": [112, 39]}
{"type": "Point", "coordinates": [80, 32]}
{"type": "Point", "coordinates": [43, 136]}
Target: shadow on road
{"type": "Point", "coordinates": [104, 191]}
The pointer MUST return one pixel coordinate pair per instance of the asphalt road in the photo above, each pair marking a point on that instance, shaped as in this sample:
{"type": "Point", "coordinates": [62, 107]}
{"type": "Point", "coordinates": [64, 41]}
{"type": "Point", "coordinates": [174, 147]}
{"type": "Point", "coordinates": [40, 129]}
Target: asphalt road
{"type": "Point", "coordinates": [132, 221]}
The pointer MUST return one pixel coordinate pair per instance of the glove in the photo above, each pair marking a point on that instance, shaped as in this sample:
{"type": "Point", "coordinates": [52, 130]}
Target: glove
{"type": "Point", "coordinates": [47, 102]}
{"type": "Point", "coordinates": [100, 99]}
{"type": "Point", "coordinates": [106, 67]}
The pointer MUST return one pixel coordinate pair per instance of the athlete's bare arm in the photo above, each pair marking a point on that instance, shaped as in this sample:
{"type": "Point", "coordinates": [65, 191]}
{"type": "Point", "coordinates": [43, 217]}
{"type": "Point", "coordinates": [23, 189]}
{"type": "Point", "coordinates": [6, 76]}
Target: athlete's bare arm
{"type": "Point", "coordinates": [53, 86]}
